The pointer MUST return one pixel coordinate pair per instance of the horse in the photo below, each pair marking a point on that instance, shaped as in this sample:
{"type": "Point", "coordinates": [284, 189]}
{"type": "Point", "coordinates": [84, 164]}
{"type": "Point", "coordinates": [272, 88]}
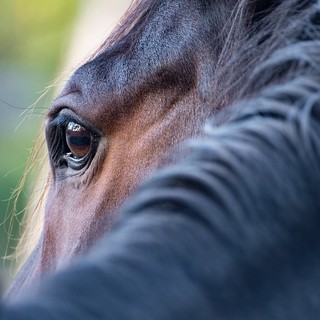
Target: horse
{"type": "Point", "coordinates": [166, 69]}
{"type": "Point", "coordinates": [231, 231]}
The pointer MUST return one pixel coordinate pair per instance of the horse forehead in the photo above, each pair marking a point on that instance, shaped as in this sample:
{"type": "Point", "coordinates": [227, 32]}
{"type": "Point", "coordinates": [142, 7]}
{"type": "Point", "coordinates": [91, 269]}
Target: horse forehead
{"type": "Point", "coordinates": [113, 85]}
{"type": "Point", "coordinates": [93, 92]}
{"type": "Point", "coordinates": [119, 76]}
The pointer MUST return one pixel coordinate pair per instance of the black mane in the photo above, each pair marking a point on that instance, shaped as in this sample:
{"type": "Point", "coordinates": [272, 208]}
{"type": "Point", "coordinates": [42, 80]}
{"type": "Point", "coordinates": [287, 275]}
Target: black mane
{"type": "Point", "coordinates": [281, 43]}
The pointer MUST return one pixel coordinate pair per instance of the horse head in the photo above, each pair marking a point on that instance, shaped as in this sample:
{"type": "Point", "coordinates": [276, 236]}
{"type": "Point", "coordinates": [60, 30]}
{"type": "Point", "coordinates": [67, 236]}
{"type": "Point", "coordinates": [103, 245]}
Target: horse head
{"type": "Point", "coordinates": [151, 85]}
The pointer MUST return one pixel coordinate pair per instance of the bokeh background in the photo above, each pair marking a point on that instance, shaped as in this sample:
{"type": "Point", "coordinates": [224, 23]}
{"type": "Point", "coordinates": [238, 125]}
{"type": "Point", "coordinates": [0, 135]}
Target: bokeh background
{"type": "Point", "coordinates": [41, 43]}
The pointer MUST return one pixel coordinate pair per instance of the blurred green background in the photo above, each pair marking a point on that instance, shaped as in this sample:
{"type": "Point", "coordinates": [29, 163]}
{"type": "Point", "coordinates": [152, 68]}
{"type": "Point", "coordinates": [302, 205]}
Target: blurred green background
{"type": "Point", "coordinates": [40, 42]}
{"type": "Point", "coordinates": [34, 36]}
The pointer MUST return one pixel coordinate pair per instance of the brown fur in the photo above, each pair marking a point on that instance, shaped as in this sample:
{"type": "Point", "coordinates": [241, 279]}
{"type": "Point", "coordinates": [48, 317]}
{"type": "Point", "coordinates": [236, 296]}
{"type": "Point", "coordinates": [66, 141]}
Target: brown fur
{"type": "Point", "coordinates": [145, 97]}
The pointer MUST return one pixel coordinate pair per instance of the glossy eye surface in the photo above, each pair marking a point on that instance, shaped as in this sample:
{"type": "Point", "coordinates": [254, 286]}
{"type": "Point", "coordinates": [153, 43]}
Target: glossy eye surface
{"type": "Point", "coordinates": [78, 140]}
{"type": "Point", "coordinates": [72, 143]}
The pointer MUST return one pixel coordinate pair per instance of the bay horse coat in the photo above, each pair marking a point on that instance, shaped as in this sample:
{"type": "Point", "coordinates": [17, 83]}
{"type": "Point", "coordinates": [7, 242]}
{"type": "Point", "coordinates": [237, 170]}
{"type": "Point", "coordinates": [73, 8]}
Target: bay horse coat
{"type": "Point", "coordinates": [154, 83]}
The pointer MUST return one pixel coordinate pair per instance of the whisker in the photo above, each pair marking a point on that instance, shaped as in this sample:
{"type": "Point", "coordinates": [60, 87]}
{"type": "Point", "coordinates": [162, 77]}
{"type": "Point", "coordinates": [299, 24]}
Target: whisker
{"type": "Point", "coordinates": [16, 107]}
{"type": "Point", "coordinates": [13, 170]}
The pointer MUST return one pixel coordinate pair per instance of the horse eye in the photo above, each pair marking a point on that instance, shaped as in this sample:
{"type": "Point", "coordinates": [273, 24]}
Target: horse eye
{"type": "Point", "coordinates": [78, 140]}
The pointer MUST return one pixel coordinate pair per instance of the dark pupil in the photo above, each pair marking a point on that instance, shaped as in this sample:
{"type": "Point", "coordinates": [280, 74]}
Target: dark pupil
{"type": "Point", "coordinates": [78, 140]}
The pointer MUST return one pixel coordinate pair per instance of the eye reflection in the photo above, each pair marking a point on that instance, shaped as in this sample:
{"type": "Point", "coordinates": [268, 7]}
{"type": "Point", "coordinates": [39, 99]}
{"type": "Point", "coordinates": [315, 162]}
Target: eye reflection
{"type": "Point", "coordinates": [78, 140]}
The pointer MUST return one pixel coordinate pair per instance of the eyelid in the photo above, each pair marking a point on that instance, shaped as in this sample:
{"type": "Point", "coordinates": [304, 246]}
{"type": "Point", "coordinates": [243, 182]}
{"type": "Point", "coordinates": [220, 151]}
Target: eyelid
{"type": "Point", "coordinates": [67, 115]}
{"type": "Point", "coordinates": [63, 120]}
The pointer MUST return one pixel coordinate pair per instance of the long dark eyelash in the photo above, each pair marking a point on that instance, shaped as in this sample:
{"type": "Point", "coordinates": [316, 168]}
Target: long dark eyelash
{"type": "Point", "coordinates": [63, 120]}
{"type": "Point", "coordinates": [56, 142]}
